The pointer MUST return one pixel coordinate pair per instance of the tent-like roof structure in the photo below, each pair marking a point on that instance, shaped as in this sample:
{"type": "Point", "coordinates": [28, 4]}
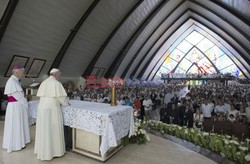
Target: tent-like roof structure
{"type": "Point", "coordinates": [118, 38]}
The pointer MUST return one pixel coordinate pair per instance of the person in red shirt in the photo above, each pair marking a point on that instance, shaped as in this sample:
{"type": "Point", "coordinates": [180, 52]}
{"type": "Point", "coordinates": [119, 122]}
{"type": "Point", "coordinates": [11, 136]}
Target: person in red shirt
{"type": "Point", "coordinates": [137, 106]}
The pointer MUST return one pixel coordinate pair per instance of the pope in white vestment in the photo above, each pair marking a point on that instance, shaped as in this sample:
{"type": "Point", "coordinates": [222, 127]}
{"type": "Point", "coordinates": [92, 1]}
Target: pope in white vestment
{"type": "Point", "coordinates": [49, 141]}
{"type": "Point", "coordinates": [16, 127]}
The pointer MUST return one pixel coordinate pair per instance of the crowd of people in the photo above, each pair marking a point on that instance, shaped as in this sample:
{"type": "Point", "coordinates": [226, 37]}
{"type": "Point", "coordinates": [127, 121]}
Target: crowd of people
{"type": "Point", "coordinates": [211, 101]}
{"type": "Point", "coordinates": [178, 104]}
{"type": "Point", "coordinates": [196, 75]}
{"type": "Point", "coordinates": [143, 100]}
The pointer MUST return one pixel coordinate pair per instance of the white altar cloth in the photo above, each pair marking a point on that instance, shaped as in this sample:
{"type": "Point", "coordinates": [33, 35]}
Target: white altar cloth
{"type": "Point", "coordinates": [111, 122]}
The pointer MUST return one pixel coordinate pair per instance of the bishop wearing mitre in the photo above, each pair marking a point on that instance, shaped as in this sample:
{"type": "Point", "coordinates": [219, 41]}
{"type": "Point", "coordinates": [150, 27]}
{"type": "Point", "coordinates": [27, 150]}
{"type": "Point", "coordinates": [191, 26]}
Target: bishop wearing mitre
{"type": "Point", "coordinates": [16, 127]}
{"type": "Point", "coordinates": [49, 140]}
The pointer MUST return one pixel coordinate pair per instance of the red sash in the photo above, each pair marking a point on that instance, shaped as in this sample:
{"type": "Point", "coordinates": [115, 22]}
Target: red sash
{"type": "Point", "coordinates": [11, 99]}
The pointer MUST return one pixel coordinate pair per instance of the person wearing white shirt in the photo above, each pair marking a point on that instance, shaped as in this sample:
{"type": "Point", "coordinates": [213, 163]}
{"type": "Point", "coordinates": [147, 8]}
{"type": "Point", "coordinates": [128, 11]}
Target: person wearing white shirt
{"type": "Point", "coordinates": [220, 108]}
{"type": "Point", "coordinates": [198, 119]}
{"type": "Point", "coordinates": [99, 99]}
{"type": "Point", "coordinates": [232, 113]}
{"type": "Point", "coordinates": [147, 103]}
{"type": "Point", "coordinates": [120, 101]}
{"type": "Point", "coordinates": [206, 110]}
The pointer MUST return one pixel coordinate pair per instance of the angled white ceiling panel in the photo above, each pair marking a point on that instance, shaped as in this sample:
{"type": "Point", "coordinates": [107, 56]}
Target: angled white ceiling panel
{"type": "Point", "coordinates": [223, 24]}
{"type": "Point", "coordinates": [125, 32]}
{"type": "Point", "coordinates": [240, 6]}
{"type": "Point", "coordinates": [223, 33]}
{"type": "Point", "coordinates": [155, 36]}
{"type": "Point", "coordinates": [94, 31]}
{"type": "Point", "coordinates": [162, 40]}
{"type": "Point", "coordinates": [169, 45]}
{"type": "Point", "coordinates": [3, 5]}
{"type": "Point", "coordinates": [38, 29]}
{"type": "Point", "coordinates": [159, 17]}
{"type": "Point", "coordinates": [227, 15]}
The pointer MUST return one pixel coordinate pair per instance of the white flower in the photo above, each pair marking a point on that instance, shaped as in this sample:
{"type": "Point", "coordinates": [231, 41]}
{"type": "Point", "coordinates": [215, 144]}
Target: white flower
{"type": "Point", "coordinates": [212, 134]}
{"type": "Point", "coordinates": [243, 148]}
{"type": "Point", "coordinates": [247, 157]}
{"type": "Point", "coordinates": [205, 134]}
{"type": "Point", "coordinates": [238, 153]}
{"type": "Point", "coordinates": [186, 131]}
{"type": "Point", "coordinates": [143, 132]}
{"type": "Point", "coordinates": [236, 143]}
{"type": "Point", "coordinates": [137, 124]}
{"type": "Point", "coordinates": [162, 131]}
{"type": "Point", "coordinates": [226, 141]}
{"type": "Point", "coordinates": [222, 154]}
{"type": "Point", "coordinates": [229, 137]}
{"type": "Point", "coordinates": [147, 137]}
{"type": "Point", "coordinates": [192, 130]}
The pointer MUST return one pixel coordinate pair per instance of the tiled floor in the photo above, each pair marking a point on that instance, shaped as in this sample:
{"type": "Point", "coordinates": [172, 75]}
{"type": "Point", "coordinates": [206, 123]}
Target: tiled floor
{"type": "Point", "coordinates": [157, 151]}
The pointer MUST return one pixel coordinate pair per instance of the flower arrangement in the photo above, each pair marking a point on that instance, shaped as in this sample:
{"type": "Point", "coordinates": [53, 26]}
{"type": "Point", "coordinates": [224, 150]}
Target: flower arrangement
{"type": "Point", "coordinates": [227, 146]}
{"type": "Point", "coordinates": [140, 135]}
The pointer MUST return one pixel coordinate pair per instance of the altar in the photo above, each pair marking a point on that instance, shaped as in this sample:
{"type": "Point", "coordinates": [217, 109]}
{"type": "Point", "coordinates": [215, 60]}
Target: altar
{"type": "Point", "coordinates": [97, 128]}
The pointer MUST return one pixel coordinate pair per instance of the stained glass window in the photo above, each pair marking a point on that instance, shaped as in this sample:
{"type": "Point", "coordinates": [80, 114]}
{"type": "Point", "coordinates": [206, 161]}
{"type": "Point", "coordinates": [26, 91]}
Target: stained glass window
{"type": "Point", "coordinates": [184, 46]}
{"type": "Point", "coordinates": [223, 62]}
{"type": "Point", "coordinates": [232, 69]}
{"type": "Point", "coordinates": [194, 37]}
{"type": "Point", "coordinates": [185, 64]}
{"type": "Point", "coordinates": [194, 69]}
{"type": "Point", "coordinates": [205, 44]}
{"type": "Point", "coordinates": [177, 55]}
{"type": "Point", "coordinates": [169, 63]}
{"type": "Point", "coordinates": [194, 55]}
{"type": "Point", "coordinates": [206, 66]}
{"type": "Point", "coordinates": [214, 53]}
{"type": "Point", "coordinates": [179, 70]}
{"type": "Point", "coordinates": [197, 54]}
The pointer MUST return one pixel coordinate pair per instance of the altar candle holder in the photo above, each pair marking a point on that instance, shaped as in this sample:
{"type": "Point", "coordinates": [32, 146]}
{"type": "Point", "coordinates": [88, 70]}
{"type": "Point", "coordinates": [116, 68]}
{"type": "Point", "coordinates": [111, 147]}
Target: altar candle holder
{"type": "Point", "coordinates": [113, 96]}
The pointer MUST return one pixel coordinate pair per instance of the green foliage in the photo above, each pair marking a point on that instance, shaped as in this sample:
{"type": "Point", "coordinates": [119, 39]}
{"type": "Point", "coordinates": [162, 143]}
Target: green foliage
{"type": "Point", "coordinates": [227, 146]}
{"type": "Point", "coordinates": [140, 135]}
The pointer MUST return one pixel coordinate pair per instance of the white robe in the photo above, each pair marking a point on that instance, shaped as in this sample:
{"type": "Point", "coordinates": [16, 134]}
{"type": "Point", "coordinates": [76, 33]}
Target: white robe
{"type": "Point", "coordinates": [49, 141]}
{"type": "Point", "coordinates": [16, 126]}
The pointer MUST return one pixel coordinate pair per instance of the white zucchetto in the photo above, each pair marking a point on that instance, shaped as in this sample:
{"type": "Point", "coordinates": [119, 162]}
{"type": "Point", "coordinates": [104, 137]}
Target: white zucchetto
{"type": "Point", "coordinates": [54, 70]}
